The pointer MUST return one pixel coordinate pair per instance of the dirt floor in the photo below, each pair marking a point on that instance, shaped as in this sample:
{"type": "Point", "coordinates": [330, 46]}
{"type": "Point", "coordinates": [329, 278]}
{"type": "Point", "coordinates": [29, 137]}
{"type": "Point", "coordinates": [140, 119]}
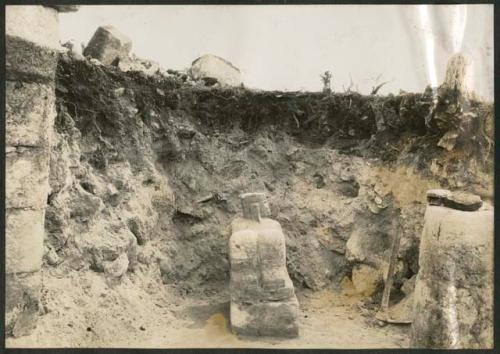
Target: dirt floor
{"type": "Point", "coordinates": [85, 310]}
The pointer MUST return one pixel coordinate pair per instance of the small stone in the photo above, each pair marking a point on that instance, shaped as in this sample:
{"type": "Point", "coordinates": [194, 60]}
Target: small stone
{"type": "Point", "coordinates": [95, 62]}
{"type": "Point", "coordinates": [51, 257]}
{"type": "Point", "coordinates": [119, 91]}
{"type": "Point", "coordinates": [118, 267]}
{"type": "Point", "coordinates": [448, 141]}
{"type": "Point", "coordinates": [409, 285]}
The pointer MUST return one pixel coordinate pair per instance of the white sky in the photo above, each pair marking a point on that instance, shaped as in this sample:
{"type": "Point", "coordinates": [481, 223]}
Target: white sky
{"type": "Point", "coordinates": [287, 47]}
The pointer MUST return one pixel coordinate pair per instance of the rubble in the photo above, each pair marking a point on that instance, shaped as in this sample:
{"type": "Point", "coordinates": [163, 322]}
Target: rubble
{"type": "Point", "coordinates": [134, 63]}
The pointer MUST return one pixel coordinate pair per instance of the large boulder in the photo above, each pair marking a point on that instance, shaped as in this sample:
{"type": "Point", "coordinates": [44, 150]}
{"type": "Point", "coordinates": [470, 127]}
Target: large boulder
{"type": "Point", "coordinates": [211, 67]}
{"type": "Point", "coordinates": [108, 45]}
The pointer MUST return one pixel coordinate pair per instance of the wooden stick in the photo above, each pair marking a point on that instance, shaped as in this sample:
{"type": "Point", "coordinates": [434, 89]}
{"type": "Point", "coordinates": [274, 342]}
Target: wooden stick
{"type": "Point", "coordinates": [384, 307]}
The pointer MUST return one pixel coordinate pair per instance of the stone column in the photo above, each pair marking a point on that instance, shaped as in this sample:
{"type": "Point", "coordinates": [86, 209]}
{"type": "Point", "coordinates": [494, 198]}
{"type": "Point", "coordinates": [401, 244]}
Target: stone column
{"type": "Point", "coordinates": [453, 296]}
{"type": "Point", "coordinates": [32, 44]}
{"type": "Point", "coordinates": [263, 301]}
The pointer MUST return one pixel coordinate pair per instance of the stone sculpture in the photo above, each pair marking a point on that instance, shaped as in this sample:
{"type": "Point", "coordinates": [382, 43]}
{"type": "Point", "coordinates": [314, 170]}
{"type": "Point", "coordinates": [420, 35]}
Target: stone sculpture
{"type": "Point", "coordinates": [453, 298]}
{"type": "Point", "coordinates": [263, 301]}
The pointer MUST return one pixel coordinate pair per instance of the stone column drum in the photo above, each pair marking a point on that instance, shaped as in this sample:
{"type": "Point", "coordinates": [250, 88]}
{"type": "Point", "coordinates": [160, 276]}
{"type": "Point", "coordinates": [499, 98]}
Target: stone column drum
{"type": "Point", "coordinates": [453, 305]}
{"type": "Point", "coordinates": [32, 46]}
{"type": "Point", "coordinates": [263, 301]}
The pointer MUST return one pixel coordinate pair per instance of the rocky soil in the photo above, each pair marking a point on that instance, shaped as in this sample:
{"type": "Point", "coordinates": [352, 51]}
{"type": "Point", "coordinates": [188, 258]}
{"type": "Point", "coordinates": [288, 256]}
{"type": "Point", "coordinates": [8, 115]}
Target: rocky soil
{"type": "Point", "coordinates": [145, 176]}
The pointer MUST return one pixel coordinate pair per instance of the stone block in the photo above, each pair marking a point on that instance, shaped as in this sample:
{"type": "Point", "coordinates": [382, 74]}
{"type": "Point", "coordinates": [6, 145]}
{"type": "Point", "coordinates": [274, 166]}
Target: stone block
{"type": "Point", "coordinates": [107, 44]}
{"type": "Point", "coordinates": [33, 23]}
{"type": "Point", "coordinates": [274, 319]}
{"type": "Point", "coordinates": [29, 113]}
{"type": "Point", "coordinates": [213, 67]}
{"type": "Point", "coordinates": [24, 233]}
{"type": "Point", "coordinates": [22, 294]}
{"type": "Point", "coordinates": [27, 176]}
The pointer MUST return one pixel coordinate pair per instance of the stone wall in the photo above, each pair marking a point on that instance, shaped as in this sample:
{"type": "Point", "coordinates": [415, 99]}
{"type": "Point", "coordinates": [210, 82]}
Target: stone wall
{"type": "Point", "coordinates": [31, 59]}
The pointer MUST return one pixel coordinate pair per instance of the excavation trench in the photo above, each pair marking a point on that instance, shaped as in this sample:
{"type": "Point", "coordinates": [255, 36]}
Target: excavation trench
{"type": "Point", "coordinates": [145, 177]}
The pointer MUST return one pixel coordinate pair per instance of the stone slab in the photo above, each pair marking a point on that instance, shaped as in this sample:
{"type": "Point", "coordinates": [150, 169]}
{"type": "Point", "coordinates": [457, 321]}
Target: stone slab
{"type": "Point", "coordinates": [269, 319]}
{"type": "Point", "coordinates": [27, 178]}
{"type": "Point", "coordinates": [455, 200]}
{"type": "Point", "coordinates": [22, 294]}
{"type": "Point", "coordinates": [24, 234]}
{"type": "Point", "coordinates": [30, 112]}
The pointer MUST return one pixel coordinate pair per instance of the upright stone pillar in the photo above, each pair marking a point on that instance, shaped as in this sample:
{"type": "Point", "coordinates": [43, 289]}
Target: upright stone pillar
{"type": "Point", "coordinates": [453, 296]}
{"type": "Point", "coordinates": [263, 301]}
{"type": "Point", "coordinates": [32, 45]}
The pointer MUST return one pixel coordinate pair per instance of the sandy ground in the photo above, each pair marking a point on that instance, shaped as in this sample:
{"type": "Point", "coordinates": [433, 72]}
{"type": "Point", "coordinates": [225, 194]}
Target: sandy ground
{"type": "Point", "coordinates": [82, 309]}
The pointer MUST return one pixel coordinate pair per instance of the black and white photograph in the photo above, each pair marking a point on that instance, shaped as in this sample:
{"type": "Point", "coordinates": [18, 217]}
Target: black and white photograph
{"type": "Point", "coordinates": [280, 176]}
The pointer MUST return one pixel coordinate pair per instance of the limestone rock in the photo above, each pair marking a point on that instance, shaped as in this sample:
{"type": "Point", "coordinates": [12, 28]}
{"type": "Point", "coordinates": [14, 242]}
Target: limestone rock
{"type": "Point", "coordinates": [456, 200]}
{"type": "Point", "coordinates": [118, 267]}
{"type": "Point", "coordinates": [213, 67]}
{"type": "Point", "coordinates": [107, 45]}
{"type": "Point", "coordinates": [464, 201]}
{"type": "Point", "coordinates": [84, 204]}
{"type": "Point", "coordinates": [140, 229]}
{"type": "Point", "coordinates": [105, 242]}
